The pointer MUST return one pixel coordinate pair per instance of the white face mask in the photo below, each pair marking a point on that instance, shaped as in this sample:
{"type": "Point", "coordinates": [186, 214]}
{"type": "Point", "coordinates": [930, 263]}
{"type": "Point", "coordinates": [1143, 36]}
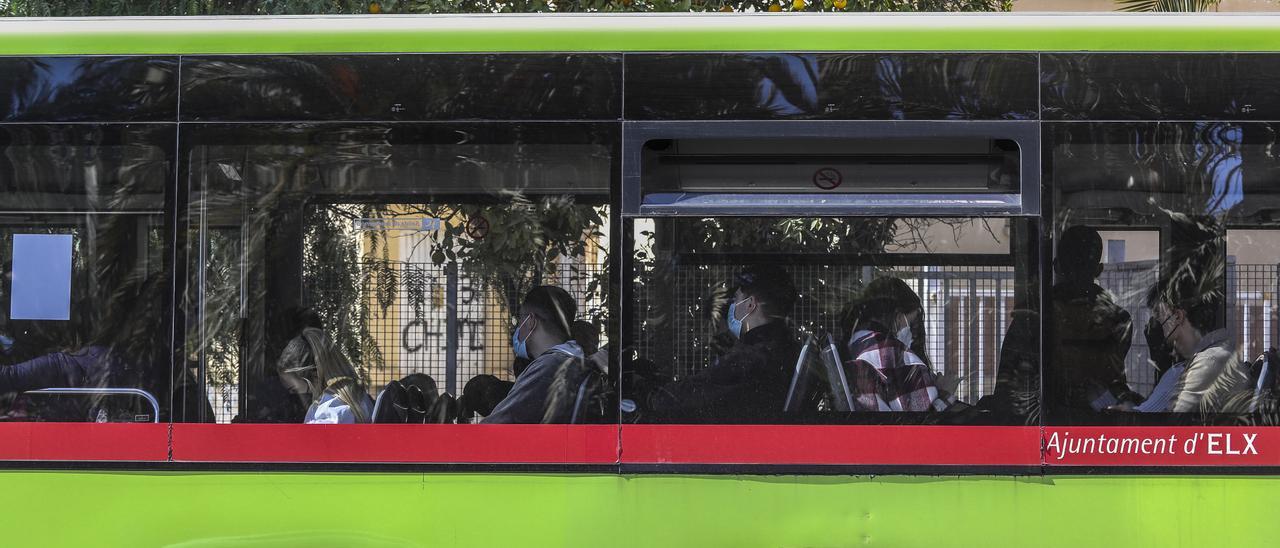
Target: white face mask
{"type": "Point", "coordinates": [904, 335]}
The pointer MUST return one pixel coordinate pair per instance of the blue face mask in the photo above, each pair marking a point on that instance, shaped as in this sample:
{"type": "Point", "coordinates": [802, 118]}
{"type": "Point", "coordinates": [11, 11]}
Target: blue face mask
{"type": "Point", "coordinates": [735, 325]}
{"type": "Point", "coordinates": [521, 347]}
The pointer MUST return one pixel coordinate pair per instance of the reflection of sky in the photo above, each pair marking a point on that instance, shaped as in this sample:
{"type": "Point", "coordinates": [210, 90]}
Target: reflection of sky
{"type": "Point", "coordinates": [789, 85]}
{"type": "Point", "coordinates": [889, 74]}
{"type": "Point", "coordinates": [50, 76]}
{"type": "Point", "coordinates": [1224, 167]}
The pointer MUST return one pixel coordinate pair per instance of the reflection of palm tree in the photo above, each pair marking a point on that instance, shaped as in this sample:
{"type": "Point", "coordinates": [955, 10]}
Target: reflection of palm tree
{"type": "Point", "coordinates": [1167, 5]}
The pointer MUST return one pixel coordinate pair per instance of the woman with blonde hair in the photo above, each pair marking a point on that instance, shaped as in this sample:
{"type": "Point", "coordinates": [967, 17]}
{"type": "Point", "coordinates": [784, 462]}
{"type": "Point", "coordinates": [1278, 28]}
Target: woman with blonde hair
{"type": "Point", "coordinates": [311, 366]}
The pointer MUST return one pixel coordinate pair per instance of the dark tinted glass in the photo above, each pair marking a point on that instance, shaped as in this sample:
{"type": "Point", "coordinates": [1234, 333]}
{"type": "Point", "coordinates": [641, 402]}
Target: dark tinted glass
{"type": "Point", "coordinates": [831, 86]}
{"type": "Point", "coordinates": [832, 165]}
{"type": "Point", "coordinates": [1164, 86]}
{"type": "Point", "coordinates": [88, 89]}
{"type": "Point", "coordinates": [402, 87]}
{"type": "Point", "coordinates": [917, 317]}
{"type": "Point", "coordinates": [411, 249]}
{"type": "Point", "coordinates": [1165, 272]}
{"type": "Point", "coordinates": [85, 303]}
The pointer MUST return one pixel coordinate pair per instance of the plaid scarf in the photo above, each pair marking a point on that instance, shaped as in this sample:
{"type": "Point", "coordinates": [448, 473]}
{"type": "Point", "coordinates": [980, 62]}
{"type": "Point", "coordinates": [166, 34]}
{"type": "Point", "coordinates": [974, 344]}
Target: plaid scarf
{"type": "Point", "coordinates": [885, 376]}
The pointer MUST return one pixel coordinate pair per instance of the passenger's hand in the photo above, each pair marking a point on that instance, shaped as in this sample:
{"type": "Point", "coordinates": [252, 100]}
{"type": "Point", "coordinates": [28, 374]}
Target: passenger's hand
{"type": "Point", "coordinates": [1123, 406]}
{"type": "Point", "coordinates": [947, 383]}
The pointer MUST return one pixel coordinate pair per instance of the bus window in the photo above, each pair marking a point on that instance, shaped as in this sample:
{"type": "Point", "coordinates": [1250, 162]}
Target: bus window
{"type": "Point", "coordinates": [1169, 331]}
{"type": "Point", "coordinates": [831, 86]}
{"type": "Point", "coordinates": [88, 89]}
{"type": "Point", "coordinates": [406, 256]}
{"type": "Point", "coordinates": [912, 319]}
{"type": "Point", "coordinates": [507, 86]}
{"type": "Point", "coordinates": [85, 290]}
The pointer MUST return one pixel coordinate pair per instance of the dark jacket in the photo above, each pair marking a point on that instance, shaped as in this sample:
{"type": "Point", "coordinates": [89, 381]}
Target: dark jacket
{"type": "Point", "coordinates": [746, 385]}
{"type": "Point", "coordinates": [90, 367]}
{"type": "Point", "coordinates": [545, 392]}
{"type": "Point", "coordinates": [1089, 340]}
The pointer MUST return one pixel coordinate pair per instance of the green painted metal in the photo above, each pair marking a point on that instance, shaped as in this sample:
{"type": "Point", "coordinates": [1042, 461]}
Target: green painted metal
{"type": "Point", "coordinates": [250, 510]}
{"type": "Point", "coordinates": [907, 32]}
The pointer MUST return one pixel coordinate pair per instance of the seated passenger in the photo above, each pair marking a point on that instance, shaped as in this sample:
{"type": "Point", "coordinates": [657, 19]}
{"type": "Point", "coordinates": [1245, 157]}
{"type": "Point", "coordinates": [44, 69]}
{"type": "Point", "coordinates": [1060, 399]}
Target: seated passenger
{"type": "Point", "coordinates": [1210, 378]}
{"type": "Point", "coordinates": [545, 391]}
{"type": "Point", "coordinates": [749, 382]}
{"type": "Point", "coordinates": [885, 367]}
{"type": "Point", "coordinates": [311, 366]}
{"type": "Point", "coordinates": [112, 358]}
{"type": "Point", "coordinates": [1091, 334]}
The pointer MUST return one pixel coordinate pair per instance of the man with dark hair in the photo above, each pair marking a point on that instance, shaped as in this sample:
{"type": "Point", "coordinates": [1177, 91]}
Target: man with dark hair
{"type": "Point", "coordinates": [748, 383]}
{"type": "Point", "coordinates": [1186, 316]}
{"type": "Point", "coordinates": [545, 390]}
{"type": "Point", "coordinates": [1090, 334]}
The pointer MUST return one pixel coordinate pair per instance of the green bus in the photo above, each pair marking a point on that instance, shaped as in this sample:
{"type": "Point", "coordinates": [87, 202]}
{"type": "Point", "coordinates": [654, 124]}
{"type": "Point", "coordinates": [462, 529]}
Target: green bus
{"type": "Point", "coordinates": [694, 280]}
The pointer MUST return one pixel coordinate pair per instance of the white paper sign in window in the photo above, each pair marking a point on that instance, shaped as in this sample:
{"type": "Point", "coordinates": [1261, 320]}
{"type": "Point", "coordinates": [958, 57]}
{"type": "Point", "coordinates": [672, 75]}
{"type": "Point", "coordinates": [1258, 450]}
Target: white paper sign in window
{"type": "Point", "coordinates": [41, 277]}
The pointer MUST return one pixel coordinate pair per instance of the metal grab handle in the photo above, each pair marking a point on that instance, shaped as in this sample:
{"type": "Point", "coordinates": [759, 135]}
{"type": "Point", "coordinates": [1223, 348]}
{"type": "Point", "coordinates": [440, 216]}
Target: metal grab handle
{"type": "Point", "coordinates": [155, 406]}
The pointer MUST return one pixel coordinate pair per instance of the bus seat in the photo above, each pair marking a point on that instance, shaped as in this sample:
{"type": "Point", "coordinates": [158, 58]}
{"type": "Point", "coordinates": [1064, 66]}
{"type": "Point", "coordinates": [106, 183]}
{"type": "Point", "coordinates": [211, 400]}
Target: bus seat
{"type": "Point", "coordinates": [801, 378]}
{"type": "Point", "coordinates": [841, 397]}
{"type": "Point", "coordinates": [101, 413]}
{"type": "Point", "coordinates": [444, 410]}
{"type": "Point", "coordinates": [391, 405]}
{"type": "Point", "coordinates": [587, 391]}
{"type": "Point", "coordinates": [1262, 378]}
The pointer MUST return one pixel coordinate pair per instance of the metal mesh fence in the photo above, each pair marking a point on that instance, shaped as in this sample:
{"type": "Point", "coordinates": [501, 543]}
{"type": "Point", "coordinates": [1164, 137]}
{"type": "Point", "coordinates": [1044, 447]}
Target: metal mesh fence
{"type": "Point", "coordinates": [1251, 308]}
{"type": "Point", "coordinates": [446, 324]}
{"type": "Point", "coordinates": [967, 311]}
{"type": "Point", "coordinates": [1128, 284]}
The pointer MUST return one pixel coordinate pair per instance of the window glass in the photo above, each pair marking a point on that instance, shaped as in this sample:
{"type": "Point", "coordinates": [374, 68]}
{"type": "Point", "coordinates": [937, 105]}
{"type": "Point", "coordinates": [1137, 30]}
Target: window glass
{"type": "Point", "coordinates": [832, 165]}
{"type": "Point", "coordinates": [334, 265]}
{"type": "Point", "coordinates": [84, 318]}
{"type": "Point", "coordinates": [831, 86]}
{"type": "Point", "coordinates": [904, 320]}
{"type": "Point", "coordinates": [1164, 272]}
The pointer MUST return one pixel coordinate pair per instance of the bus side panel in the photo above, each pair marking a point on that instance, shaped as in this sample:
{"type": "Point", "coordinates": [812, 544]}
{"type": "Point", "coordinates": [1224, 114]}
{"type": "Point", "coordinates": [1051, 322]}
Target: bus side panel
{"type": "Point", "coordinates": [383, 510]}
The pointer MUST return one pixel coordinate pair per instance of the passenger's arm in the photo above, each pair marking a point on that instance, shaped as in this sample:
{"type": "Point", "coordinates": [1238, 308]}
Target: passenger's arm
{"type": "Point", "coordinates": [1202, 372]}
{"type": "Point", "coordinates": [696, 391]}
{"type": "Point", "coordinates": [527, 401]}
{"type": "Point", "coordinates": [48, 371]}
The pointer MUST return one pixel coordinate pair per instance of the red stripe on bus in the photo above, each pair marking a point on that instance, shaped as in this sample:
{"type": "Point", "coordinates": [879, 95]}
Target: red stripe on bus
{"type": "Point", "coordinates": [832, 445]}
{"type": "Point", "coordinates": [69, 441]}
{"type": "Point", "coordinates": [396, 443]}
{"type": "Point", "coordinates": [646, 444]}
{"type": "Point", "coordinates": [1162, 446]}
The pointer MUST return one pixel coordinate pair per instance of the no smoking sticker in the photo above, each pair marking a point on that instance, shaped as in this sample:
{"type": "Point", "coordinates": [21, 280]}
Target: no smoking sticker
{"type": "Point", "coordinates": [827, 178]}
{"type": "Point", "coordinates": [478, 228]}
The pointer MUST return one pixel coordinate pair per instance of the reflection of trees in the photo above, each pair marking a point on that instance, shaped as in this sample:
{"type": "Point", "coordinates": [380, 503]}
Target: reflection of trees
{"type": "Point", "coordinates": [44, 88]}
{"type": "Point", "coordinates": [525, 238]}
{"type": "Point", "coordinates": [81, 8]}
{"type": "Point", "coordinates": [522, 247]}
{"type": "Point", "coordinates": [830, 260]}
{"type": "Point", "coordinates": [100, 185]}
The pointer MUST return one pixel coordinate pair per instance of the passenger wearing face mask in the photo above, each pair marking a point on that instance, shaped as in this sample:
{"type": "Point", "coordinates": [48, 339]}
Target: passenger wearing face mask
{"type": "Point", "coordinates": [886, 367]}
{"type": "Point", "coordinates": [312, 367]}
{"type": "Point", "coordinates": [546, 389]}
{"type": "Point", "coordinates": [1210, 378]}
{"type": "Point", "coordinates": [748, 384]}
